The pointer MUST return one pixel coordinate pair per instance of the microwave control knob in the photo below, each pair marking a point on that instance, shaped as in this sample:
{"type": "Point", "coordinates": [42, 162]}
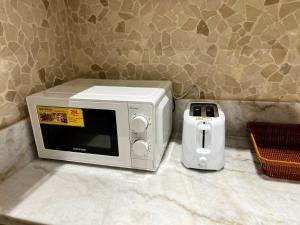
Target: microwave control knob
{"type": "Point", "coordinates": [202, 162]}
{"type": "Point", "coordinates": [139, 124]}
{"type": "Point", "coordinates": [140, 148]}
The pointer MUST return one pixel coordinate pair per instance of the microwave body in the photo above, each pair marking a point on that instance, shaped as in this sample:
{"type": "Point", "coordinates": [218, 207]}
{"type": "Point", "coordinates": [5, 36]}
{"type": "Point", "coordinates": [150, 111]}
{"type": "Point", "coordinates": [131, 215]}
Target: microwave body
{"type": "Point", "coordinates": [104, 122]}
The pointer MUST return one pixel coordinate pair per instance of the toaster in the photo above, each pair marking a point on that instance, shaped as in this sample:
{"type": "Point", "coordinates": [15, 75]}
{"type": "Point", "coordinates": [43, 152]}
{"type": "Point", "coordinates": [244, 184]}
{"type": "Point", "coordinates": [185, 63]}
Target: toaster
{"type": "Point", "coordinates": [203, 138]}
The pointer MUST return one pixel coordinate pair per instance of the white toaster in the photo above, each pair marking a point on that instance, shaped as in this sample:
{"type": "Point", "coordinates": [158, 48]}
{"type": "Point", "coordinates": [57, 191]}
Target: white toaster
{"type": "Point", "coordinates": [203, 139]}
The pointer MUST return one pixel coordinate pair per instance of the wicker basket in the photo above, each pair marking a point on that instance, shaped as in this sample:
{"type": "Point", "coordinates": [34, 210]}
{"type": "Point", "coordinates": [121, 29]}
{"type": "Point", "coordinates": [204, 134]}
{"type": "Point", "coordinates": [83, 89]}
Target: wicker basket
{"type": "Point", "coordinates": [277, 147]}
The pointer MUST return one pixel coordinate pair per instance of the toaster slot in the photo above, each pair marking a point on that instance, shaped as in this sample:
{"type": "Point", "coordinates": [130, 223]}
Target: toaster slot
{"type": "Point", "coordinates": [210, 112]}
{"type": "Point", "coordinates": [204, 109]}
{"type": "Point", "coordinates": [195, 109]}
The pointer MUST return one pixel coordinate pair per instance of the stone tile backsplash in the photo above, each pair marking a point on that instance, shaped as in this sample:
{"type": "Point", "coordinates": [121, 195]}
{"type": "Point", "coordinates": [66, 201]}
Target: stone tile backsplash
{"type": "Point", "coordinates": [34, 52]}
{"type": "Point", "coordinates": [215, 49]}
{"type": "Point", "coordinates": [224, 49]}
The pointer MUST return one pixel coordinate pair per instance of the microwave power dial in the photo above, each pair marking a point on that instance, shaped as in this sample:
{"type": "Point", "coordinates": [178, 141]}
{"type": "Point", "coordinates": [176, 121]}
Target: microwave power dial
{"type": "Point", "coordinates": [140, 148]}
{"type": "Point", "coordinates": [139, 124]}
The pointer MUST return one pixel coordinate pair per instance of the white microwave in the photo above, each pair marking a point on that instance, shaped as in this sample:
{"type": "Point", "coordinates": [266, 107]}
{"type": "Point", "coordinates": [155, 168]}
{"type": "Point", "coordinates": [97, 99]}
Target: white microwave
{"type": "Point", "coordinates": [122, 123]}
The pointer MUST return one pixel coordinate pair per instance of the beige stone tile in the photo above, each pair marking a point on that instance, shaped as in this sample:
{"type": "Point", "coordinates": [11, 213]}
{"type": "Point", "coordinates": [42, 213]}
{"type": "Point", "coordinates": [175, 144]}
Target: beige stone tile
{"type": "Point", "coordinates": [10, 31]}
{"type": "Point", "coordinates": [226, 11]}
{"type": "Point", "coordinates": [3, 15]}
{"type": "Point", "coordinates": [290, 23]}
{"type": "Point", "coordinates": [190, 24]}
{"type": "Point", "coordinates": [213, 4]}
{"type": "Point", "coordinates": [235, 19]}
{"type": "Point", "coordinates": [25, 12]}
{"type": "Point", "coordinates": [279, 53]}
{"type": "Point", "coordinates": [244, 40]}
{"type": "Point", "coordinates": [13, 17]}
{"type": "Point", "coordinates": [252, 13]}
{"type": "Point", "coordinates": [202, 28]}
{"type": "Point", "coordinates": [247, 51]}
{"type": "Point", "coordinates": [270, 34]}
{"type": "Point", "coordinates": [271, 2]}
{"type": "Point", "coordinates": [288, 8]}
{"type": "Point", "coordinates": [276, 77]}
{"type": "Point", "coordinates": [213, 22]}
{"type": "Point", "coordinates": [260, 26]}
{"type": "Point", "coordinates": [268, 70]}
{"type": "Point", "coordinates": [222, 26]}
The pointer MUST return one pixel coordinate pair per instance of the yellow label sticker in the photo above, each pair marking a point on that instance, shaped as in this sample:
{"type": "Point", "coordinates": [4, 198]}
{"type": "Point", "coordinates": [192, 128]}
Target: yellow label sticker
{"type": "Point", "coordinates": [60, 116]}
{"type": "Point", "coordinates": [203, 118]}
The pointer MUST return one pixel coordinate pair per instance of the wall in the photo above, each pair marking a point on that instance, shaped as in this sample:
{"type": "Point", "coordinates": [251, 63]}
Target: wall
{"type": "Point", "coordinates": [217, 49]}
{"type": "Point", "coordinates": [34, 52]}
{"type": "Point", "coordinates": [230, 49]}
{"type": "Point", "coordinates": [17, 148]}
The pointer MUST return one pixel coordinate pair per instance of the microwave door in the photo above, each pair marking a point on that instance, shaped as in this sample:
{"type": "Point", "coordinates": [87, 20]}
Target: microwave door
{"type": "Point", "coordinates": [95, 134]}
{"type": "Point", "coordinates": [99, 135]}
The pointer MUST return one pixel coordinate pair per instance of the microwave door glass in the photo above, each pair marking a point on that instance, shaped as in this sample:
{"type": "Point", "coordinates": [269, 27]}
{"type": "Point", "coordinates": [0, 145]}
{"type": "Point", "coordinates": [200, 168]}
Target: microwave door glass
{"type": "Point", "coordinates": [92, 131]}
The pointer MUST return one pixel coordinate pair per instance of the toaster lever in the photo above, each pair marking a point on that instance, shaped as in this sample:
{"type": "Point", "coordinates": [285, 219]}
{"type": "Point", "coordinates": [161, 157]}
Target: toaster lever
{"type": "Point", "coordinates": [202, 130]}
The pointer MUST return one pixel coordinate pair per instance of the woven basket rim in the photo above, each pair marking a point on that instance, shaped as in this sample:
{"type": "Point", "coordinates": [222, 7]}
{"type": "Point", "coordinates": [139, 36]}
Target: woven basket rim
{"type": "Point", "coordinates": [256, 148]}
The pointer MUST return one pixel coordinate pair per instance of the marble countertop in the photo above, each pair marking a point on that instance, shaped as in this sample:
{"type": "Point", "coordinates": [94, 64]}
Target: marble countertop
{"type": "Point", "coordinates": [52, 192]}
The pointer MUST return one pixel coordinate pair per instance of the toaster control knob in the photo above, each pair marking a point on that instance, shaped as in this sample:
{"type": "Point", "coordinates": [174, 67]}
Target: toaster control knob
{"type": "Point", "coordinates": [139, 124]}
{"type": "Point", "coordinates": [140, 148]}
{"type": "Point", "coordinates": [202, 161]}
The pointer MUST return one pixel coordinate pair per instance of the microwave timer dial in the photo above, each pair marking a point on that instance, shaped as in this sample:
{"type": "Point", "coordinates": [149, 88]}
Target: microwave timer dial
{"type": "Point", "coordinates": [139, 124]}
{"type": "Point", "coordinates": [140, 148]}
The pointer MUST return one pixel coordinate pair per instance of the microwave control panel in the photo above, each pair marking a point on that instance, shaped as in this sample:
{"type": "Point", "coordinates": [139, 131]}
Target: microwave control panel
{"type": "Point", "coordinates": [140, 123]}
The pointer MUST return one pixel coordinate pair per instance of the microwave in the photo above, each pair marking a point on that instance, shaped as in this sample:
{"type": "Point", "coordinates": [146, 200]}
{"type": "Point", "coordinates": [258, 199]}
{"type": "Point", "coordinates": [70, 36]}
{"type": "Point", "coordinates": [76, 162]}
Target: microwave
{"type": "Point", "coordinates": [122, 123]}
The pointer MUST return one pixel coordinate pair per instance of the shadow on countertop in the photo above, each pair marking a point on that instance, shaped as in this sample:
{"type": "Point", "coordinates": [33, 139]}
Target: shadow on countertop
{"type": "Point", "coordinates": [7, 220]}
